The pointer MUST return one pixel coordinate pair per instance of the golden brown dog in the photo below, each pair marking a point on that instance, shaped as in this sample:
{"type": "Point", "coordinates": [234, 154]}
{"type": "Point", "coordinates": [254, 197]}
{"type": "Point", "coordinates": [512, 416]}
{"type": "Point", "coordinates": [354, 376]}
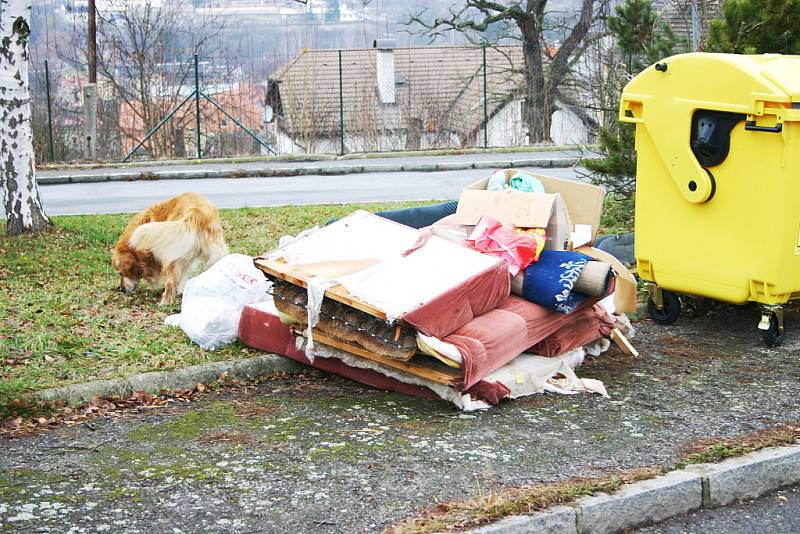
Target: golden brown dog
{"type": "Point", "coordinates": [165, 242]}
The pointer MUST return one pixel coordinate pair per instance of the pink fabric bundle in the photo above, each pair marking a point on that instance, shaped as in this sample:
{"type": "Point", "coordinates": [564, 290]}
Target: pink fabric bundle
{"type": "Point", "coordinates": [493, 339]}
{"type": "Point", "coordinates": [587, 324]}
{"type": "Point", "coordinates": [490, 236]}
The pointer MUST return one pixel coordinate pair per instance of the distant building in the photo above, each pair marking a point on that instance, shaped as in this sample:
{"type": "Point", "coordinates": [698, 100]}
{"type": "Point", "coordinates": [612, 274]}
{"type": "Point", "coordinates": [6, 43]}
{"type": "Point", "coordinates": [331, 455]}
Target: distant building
{"type": "Point", "coordinates": [219, 135]}
{"type": "Point", "coordinates": [403, 99]}
{"type": "Point", "coordinates": [688, 19]}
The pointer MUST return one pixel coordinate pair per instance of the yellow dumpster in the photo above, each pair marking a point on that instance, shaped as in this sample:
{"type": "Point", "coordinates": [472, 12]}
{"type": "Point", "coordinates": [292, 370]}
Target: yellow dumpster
{"type": "Point", "coordinates": [718, 181]}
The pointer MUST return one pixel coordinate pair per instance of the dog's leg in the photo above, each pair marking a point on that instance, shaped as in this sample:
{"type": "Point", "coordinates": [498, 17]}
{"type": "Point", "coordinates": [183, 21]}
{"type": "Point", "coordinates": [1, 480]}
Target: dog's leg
{"type": "Point", "coordinates": [186, 269]}
{"type": "Point", "coordinates": [171, 274]}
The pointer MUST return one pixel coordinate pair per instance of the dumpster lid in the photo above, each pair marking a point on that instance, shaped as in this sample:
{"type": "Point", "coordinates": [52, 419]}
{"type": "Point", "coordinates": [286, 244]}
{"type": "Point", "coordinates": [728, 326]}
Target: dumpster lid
{"type": "Point", "coordinates": [785, 73]}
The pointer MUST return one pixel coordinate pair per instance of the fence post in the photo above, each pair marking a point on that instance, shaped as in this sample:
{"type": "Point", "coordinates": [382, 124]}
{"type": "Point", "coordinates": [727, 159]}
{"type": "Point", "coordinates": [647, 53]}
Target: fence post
{"type": "Point", "coordinates": [341, 105]}
{"type": "Point", "coordinates": [485, 103]}
{"type": "Point", "coordinates": [49, 112]}
{"type": "Point", "coordinates": [197, 105]}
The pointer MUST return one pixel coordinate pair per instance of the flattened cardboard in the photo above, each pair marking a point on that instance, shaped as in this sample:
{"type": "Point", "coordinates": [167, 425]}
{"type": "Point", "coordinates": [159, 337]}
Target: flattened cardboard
{"type": "Point", "coordinates": [526, 210]}
{"type": "Point", "coordinates": [584, 204]}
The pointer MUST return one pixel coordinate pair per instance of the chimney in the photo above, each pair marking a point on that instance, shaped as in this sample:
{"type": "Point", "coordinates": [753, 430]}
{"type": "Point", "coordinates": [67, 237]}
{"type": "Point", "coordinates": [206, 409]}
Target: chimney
{"type": "Point", "coordinates": [385, 69]}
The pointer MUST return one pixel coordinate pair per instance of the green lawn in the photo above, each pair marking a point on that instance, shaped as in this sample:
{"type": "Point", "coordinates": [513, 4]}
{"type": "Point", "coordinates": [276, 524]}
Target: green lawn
{"type": "Point", "coordinates": [63, 321]}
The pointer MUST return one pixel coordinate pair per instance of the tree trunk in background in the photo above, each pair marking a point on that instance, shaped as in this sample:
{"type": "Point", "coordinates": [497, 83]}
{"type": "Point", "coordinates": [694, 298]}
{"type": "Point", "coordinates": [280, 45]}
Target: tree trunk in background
{"type": "Point", "coordinates": [23, 206]}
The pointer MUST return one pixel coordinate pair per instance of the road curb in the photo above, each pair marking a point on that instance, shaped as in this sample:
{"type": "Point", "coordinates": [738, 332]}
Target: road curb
{"type": "Point", "coordinates": [186, 378]}
{"type": "Point", "coordinates": [678, 492]}
{"type": "Point", "coordinates": [274, 172]}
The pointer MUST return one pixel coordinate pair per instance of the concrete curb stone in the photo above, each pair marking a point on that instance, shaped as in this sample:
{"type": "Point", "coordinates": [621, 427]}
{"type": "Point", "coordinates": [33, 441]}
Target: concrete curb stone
{"type": "Point", "coordinates": [419, 167]}
{"type": "Point", "coordinates": [676, 493]}
{"type": "Point", "coordinates": [492, 164]}
{"type": "Point", "coordinates": [80, 393]}
{"type": "Point", "coordinates": [53, 180]}
{"type": "Point", "coordinates": [637, 504]}
{"type": "Point", "coordinates": [89, 178]}
{"type": "Point", "coordinates": [558, 520]}
{"type": "Point", "coordinates": [563, 162]}
{"type": "Point", "coordinates": [381, 167]}
{"type": "Point", "coordinates": [187, 378]}
{"type": "Point", "coordinates": [455, 166]}
{"type": "Point", "coordinates": [338, 171]}
{"type": "Point", "coordinates": [749, 476]}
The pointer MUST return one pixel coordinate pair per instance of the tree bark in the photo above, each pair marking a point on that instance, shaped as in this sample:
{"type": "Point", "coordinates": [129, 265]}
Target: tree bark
{"type": "Point", "coordinates": [538, 110]}
{"type": "Point", "coordinates": [23, 206]}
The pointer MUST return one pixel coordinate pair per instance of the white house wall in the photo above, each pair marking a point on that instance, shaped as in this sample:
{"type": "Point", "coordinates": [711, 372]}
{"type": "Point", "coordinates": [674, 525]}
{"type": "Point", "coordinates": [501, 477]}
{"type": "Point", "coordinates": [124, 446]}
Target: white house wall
{"type": "Point", "coordinates": [567, 129]}
{"type": "Point", "coordinates": [505, 127]}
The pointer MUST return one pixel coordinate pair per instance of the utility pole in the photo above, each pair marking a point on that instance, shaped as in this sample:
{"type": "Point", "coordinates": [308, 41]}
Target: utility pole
{"type": "Point", "coordinates": [90, 89]}
{"type": "Point", "coordinates": [695, 27]}
{"type": "Point", "coordinates": [92, 42]}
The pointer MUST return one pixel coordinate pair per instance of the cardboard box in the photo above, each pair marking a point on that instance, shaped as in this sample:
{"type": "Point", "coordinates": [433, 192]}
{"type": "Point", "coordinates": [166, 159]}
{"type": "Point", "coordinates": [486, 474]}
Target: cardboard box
{"type": "Point", "coordinates": [527, 210]}
{"type": "Point", "coordinates": [565, 204]}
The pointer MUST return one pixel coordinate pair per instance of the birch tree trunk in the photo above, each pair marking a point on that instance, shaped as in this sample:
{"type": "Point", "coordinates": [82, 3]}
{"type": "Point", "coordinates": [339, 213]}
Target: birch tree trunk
{"type": "Point", "coordinates": [23, 206]}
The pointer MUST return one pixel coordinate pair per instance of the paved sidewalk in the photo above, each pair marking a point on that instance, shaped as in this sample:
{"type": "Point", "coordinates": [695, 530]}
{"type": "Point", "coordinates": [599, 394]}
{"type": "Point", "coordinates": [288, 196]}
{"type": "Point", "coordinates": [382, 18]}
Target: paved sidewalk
{"type": "Point", "coordinates": [211, 169]}
{"type": "Point", "coordinates": [315, 453]}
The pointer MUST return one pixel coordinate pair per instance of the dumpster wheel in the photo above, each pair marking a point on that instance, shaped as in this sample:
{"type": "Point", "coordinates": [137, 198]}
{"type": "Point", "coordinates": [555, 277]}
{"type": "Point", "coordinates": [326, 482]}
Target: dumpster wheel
{"type": "Point", "coordinates": [772, 326]}
{"type": "Point", "coordinates": [670, 308]}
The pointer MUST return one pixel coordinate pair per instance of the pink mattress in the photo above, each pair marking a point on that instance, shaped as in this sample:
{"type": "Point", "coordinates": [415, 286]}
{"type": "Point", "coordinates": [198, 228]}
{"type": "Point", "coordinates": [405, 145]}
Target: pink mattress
{"type": "Point", "coordinates": [263, 330]}
{"type": "Point", "coordinates": [487, 343]}
{"type": "Point", "coordinates": [461, 283]}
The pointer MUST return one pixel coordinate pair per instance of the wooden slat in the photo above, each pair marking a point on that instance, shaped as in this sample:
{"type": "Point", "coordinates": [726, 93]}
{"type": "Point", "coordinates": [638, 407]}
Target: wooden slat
{"type": "Point", "coordinates": [440, 376]}
{"type": "Point", "coordinates": [286, 272]}
{"type": "Point", "coordinates": [623, 343]}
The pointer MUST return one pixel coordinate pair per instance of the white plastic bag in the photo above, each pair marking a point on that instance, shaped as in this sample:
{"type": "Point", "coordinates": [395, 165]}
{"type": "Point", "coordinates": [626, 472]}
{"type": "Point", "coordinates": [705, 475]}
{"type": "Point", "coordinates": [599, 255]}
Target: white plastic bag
{"type": "Point", "coordinates": [213, 301]}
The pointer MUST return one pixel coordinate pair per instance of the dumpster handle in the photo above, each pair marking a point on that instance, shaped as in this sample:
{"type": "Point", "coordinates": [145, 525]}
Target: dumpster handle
{"type": "Point", "coordinates": [751, 126]}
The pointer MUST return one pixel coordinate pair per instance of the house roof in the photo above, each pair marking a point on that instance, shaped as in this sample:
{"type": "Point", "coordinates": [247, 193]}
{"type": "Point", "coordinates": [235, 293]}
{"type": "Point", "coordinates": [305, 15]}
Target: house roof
{"type": "Point", "coordinates": [438, 88]}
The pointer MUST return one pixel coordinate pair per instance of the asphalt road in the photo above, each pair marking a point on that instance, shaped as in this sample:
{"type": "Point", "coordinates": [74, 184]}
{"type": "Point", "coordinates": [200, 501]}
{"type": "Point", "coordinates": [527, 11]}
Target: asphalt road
{"type": "Point", "coordinates": [319, 454]}
{"type": "Point", "coordinates": [775, 513]}
{"type": "Point", "coordinates": [122, 197]}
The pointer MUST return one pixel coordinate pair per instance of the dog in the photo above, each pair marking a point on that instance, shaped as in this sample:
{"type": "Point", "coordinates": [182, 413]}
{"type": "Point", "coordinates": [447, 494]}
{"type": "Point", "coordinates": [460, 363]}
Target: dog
{"type": "Point", "coordinates": [165, 242]}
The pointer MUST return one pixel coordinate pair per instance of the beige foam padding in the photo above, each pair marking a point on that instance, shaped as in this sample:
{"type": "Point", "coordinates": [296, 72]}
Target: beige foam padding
{"type": "Point", "coordinates": [592, 280]}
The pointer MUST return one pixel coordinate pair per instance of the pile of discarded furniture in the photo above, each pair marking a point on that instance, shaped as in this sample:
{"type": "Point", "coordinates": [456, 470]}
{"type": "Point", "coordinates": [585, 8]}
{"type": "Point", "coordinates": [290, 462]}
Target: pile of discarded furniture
{"type": "Point", "coordinates": [500, 299]}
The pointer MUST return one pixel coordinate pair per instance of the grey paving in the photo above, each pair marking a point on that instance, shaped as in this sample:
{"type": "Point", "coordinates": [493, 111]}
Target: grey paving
{"type": "Point", "coordinates": [121, 197]}
{"type": "Point", "coordinates": [315, 453]}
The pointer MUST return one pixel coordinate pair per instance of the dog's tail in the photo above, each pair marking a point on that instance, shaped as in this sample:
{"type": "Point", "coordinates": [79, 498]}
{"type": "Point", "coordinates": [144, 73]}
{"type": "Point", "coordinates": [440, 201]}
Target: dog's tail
{"type": "Point", "coordinates": [196, 234]}
{"type": "Point", "coordinates": [167, 241]}
{"type": "Point", "coordinates": [209, 233]}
